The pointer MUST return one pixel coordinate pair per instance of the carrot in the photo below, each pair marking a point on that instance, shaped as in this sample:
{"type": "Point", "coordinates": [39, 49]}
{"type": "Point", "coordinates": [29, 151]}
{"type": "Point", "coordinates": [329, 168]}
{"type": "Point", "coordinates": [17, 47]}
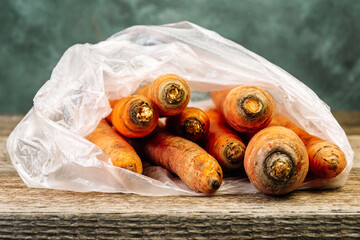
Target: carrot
{"type": "Point", "coordinates": [134, 116]}
{"type": "Point", "coordinates": [326, 159]}
{"type": "Point", "coordinates": [192, 124]}
{"type": "Point", "coordinates": [170, 93]}
{"type": "Point", "coordinates": [245, 108]}
{"type": "Point", "coordinates": [223, 144]}
{"type": "Point", "coordinates": [121, 153]}
{"type": "Point", "coordinates": [276, 160]}
{"type": "Point", "coordinates": [195, 167]}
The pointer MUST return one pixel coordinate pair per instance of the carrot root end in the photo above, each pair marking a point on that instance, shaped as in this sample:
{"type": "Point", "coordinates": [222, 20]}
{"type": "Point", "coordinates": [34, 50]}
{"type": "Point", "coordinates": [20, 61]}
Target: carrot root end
{"type": "Point", "coordinates": [234, 153]}
{"type": "Point", "coordinates": [144, 112]}
{"type": "Point", "coordinates": [173, 94]}
{"type": "Point", "coordinates": [193, 127]}
{"type": "Point", "coordinates": [251, 105]}
{"type": "Point", "coordinates": [279, 166]}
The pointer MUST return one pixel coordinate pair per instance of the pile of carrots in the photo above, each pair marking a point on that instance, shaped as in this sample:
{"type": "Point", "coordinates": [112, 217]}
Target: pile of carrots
{"type": "Point", "coordinates": [241, 133]}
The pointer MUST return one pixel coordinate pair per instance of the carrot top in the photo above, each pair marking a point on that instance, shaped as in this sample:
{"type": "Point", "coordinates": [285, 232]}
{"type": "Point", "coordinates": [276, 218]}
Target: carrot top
{"type": "Point", "coordinates": [245, 108]}
{"type": "Point", "coordinates": [133, 116]}
{"type": "Point", "coordinates": [170, 93]}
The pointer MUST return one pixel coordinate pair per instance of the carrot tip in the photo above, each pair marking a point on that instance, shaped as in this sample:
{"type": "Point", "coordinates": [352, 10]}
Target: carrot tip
{"type": "Point", "coordinates": [279, 166]}
{"type": "Point", "coordinates": [215, 184]}
{"type": "Point", "coordinates": [330, 160]}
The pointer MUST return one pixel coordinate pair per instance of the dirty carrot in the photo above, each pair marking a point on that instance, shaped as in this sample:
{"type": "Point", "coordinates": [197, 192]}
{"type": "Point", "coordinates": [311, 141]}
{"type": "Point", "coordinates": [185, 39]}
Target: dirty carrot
{"type": "Point", "coordinates": [133, 116]}
{"type": "Point", "coordinates": [195, 167]}
{"type": "Point", "coordinates": [121, 153]}
{"type": "Point", "coordinates": [326, 159]}
{"type": "Point", "coordinates": [276, 160]}
{"type": "Point", "coordinates": [223, 143]}
{"type": "Point", "coordinates": [170, 93]}
{"type": "Point", "coordinates": [192, 124]}
{"type": "Point", "coordinates": [246, 108]}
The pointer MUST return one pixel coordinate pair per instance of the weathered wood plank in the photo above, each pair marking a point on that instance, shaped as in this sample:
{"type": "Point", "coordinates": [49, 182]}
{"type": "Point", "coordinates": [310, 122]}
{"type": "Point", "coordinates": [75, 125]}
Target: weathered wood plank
{"type": "Point", "coordinates": [6, 167]}
{"type": "Point", "coordinates": [175, 226]}
{"type": "Point", "coordinates": [349, 118]}
{"type": "Point", "coordinates": [355, 145]}
{"type": "Point", "coordinates": [60, 214]}
{"type": "Point", "coordinates": [8, 123]}
{"type": "Point", "coordinates": [350, 121]}
{"type": "Point", "coordinates": [15, 197]}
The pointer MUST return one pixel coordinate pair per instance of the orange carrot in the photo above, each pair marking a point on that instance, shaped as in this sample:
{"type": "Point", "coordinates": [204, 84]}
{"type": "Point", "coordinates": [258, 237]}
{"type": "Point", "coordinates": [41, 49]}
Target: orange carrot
{"type": "Point", "coordinates": [223, 144]}
{"type": "Point", "coordinates": [170, 93]}
{"type": "Point", "coordinates": [326, 159]}
{"type": "Point", "coordinates": [134, 116]}
{"type": "Point", "coordinates": [119, 150]}
{"type": "Point", "coordinates": [245, 108]}
{"type": "Point", "coordinates": [192, 124]}
{"type": "Point", "coordinates": [276, 160]}
{"type": "Point", "coordinates": [195, 167]}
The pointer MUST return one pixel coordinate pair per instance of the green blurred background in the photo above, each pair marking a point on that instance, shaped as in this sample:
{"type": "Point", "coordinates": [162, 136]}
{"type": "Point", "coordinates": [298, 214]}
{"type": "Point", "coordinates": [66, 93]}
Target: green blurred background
{"type": "Point", "coordinates": [316, 41]}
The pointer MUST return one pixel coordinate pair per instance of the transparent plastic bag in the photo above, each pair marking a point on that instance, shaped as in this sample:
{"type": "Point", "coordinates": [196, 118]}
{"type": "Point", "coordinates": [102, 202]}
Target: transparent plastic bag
{"type": "Point", "coordinates": [48, 148]}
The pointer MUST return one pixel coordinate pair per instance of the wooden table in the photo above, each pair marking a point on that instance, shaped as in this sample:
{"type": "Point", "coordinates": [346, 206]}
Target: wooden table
{"type": "Point", "coordinates": [42, 213]}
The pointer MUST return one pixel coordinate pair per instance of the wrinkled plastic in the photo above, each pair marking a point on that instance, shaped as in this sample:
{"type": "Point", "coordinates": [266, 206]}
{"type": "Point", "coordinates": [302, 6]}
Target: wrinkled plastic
{"type": "Point", "coordinates": [48, 148]}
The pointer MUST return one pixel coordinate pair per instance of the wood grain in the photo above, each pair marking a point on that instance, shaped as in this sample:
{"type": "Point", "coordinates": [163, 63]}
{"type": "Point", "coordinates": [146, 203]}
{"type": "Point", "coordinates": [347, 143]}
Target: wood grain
{"type": "Point", "coordinates": [349, 121]}
{"type": "Point", "coordinates": [55, 214]}
{"type": "Point", "coordinates": [16, 198]}
{"type": "Point", "coordinates": [355, 144]}
{"type": "Point", "coordinates": [171, 226]}
{"type": "Point", "coordinates": [8, 123]}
